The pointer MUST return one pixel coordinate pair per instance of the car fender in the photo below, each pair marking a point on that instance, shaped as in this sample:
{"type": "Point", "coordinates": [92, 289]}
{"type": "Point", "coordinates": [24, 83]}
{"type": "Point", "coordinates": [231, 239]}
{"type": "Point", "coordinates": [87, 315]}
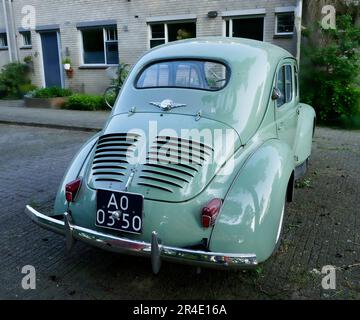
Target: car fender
{"type": "Point", "coordinates": [73, 172]}
{"type": "Point", "coordinates": [305, 132]}
{"type": "Point", "coordinates": [252, 209]}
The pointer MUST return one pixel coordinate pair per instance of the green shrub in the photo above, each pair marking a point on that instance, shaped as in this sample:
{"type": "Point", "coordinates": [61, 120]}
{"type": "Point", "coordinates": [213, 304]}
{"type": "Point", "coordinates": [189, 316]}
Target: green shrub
{"type": "Point", "coordinates": [13, 78]}
{"type": "Point", "coordinates": [52, 92]}
{"type": "Point", "coordinates": [330, 71]}
{"type": "Point", "coordinates": [86, 102]}
{"type": "Point", "coordinates": [121, 75]}
{"type": "Point", "coordinates": [27, 87]}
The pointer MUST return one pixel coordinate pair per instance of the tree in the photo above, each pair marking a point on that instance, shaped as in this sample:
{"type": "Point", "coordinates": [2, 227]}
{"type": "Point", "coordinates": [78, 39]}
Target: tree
{"type": "Point", "coordinates": [330, 69]}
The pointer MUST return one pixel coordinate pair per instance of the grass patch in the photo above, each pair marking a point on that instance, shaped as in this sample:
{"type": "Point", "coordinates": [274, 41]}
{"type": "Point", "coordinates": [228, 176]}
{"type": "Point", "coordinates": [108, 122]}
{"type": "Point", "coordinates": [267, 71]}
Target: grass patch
{"type": "Point", "coordinates": [301, 184]}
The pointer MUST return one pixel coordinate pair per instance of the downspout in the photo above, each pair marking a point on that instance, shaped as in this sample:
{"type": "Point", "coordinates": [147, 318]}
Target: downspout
{"type": "Point", "coordinates": [7, 30]}
{"type": "Point", "coordinates": [298, 20]}
{"type": "Point", "coordinates": [12, 22]}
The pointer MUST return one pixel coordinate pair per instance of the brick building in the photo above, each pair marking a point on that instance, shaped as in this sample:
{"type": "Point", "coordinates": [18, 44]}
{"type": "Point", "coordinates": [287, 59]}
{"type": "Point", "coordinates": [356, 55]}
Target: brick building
{"type": "Point", "coordinates": [96, 35]}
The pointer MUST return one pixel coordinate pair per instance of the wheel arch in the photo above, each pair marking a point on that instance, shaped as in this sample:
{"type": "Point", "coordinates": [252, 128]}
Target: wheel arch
{"type": "Point", "coordinates": [73, 172]}
{"type": "Point", "coordinates": [251, 212]}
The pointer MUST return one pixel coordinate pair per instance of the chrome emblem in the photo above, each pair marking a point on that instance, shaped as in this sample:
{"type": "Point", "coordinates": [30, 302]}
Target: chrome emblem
{"type": "Point", "coordinates": [167, 105]}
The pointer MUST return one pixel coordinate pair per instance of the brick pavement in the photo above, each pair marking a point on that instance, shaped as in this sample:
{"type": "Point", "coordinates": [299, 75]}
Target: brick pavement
{"type": "Point", "coordinates": [321, 227]}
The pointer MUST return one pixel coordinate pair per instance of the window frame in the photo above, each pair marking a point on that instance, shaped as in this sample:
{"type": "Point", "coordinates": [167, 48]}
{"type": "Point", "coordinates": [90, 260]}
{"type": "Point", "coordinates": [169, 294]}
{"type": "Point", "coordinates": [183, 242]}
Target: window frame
{"type": "Point", "coordinates": [296, 81]}
{"type": "Point", "coordinates": [4, 34]}
{"type": "Point", "coordinates": [277, 14]}
{"type": "Point", "coordinates": [166, 30]}
{"type": "Point", "coordinates": [23, 42]}
{"type": "Point", "coordinates": [229, 19]}
{"type": "Point", "coordinates": [293, 96]}
{"type": "Point", "coordinates": [105, 41]}
{"type": "Point", "coordinates": [140, 72]}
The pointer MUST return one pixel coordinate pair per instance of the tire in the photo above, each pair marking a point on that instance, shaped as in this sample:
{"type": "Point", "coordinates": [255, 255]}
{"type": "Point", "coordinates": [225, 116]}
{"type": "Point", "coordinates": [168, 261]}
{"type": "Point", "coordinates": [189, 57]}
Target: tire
{"type": "Point", "coordinates": [280, 230]}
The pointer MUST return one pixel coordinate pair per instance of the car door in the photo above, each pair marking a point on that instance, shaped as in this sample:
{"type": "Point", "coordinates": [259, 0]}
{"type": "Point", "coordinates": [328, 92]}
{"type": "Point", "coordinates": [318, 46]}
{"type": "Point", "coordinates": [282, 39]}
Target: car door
{"type": "Point", "coordinates": [286, 106]}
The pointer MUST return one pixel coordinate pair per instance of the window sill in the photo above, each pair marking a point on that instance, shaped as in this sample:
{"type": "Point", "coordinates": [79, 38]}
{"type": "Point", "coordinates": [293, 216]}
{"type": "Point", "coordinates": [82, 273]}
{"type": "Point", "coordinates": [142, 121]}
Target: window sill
{"type": "Point", "coordinates": [3, 48]}
{"type": "Point", "coordinates": [96, 66]}
{"type": "Point", "coordinates": [283, 36]}
{"type": "Point", "coordinates": [25, 47]}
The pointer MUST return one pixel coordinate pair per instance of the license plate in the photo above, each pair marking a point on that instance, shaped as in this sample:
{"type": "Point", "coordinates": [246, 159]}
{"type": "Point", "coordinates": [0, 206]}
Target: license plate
{"type": "Point", "coordinates": [119, 211]}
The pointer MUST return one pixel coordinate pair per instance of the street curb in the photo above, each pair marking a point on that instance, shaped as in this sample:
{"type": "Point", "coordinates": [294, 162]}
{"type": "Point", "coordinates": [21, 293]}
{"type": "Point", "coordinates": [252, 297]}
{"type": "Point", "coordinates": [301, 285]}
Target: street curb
{"type": "Point", "coordinates": [49, 125]}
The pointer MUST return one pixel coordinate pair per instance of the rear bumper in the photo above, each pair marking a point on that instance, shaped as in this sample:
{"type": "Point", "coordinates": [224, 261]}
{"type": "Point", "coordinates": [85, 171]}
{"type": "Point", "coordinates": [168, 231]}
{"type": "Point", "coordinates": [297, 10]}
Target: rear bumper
{"type": "Point", "coordinates": [153, 250]}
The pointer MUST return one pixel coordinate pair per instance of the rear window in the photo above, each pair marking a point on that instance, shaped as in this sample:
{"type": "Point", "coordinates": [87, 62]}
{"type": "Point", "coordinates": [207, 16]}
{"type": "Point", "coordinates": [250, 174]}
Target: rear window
{"type": "Point", "coordinates": [193, 74]}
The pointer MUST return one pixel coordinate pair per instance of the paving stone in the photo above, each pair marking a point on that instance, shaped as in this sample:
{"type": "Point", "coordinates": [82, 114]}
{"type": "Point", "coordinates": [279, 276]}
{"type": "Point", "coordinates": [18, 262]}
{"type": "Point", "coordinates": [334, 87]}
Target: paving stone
{"type": "Point", "coordinates": [321, 228]}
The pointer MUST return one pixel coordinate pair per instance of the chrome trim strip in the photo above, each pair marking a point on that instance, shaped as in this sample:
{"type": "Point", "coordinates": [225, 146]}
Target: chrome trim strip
{"type": "Point", "coordinates": [153, 250]}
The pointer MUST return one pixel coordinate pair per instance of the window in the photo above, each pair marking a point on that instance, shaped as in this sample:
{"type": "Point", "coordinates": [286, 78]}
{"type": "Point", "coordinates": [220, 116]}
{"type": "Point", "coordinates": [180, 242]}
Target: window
{"type": "Point", "coordinates": [285, 23]}
{"type": "Point", "coordinates": [296, 77]}
{"type": "Point", "coordinates": [285, 85]}
{"type": "Point", "coordinates": [245, 27]}
{"type": "Point", "coordinates": [3, 40]}
{"type": "Point", "coordinates": [100, 46]}
{"type": "Point", "coordinates": [194, 74]}
{"type": "Point", "coordinates": [157, 35]}
{"type": "Point", "coordinates": [26, 38]}
{"type": "Point", "coordinates": [161, 33]}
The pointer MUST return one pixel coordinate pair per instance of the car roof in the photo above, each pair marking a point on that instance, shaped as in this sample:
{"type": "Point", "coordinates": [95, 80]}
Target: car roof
{"type": "Point", "coordinates": [218, 48]}
{"type": "Point", "coordinates": [241, 104]}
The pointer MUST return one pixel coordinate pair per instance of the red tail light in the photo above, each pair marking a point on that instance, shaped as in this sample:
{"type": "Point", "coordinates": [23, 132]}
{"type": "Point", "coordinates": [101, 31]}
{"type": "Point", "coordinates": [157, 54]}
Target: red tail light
{"type": "Point", "coordinates": [71, 189]}
{"type": "Point", "coordinates": [210, 212]}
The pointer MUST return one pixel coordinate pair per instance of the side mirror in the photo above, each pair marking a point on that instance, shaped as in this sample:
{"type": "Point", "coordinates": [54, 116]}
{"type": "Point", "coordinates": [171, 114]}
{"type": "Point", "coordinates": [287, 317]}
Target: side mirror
{"type": "Point", "coordinates": [110, 95]}
{"type": "Point", "coordinates": [276, 94]}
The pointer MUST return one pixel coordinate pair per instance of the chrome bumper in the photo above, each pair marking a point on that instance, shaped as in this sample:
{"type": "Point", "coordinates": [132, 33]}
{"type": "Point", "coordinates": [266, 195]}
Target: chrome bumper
{"type": "Point", "coordinates": [156, 251]}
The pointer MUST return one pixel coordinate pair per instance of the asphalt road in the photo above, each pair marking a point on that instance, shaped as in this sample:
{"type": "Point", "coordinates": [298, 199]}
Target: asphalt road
{"type": "Point", "coordinates": [321, 228]}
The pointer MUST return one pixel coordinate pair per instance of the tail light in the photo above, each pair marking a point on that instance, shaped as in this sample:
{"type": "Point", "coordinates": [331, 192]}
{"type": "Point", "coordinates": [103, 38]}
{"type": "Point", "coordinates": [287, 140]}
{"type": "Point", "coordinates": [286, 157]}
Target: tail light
{"type": "Point", "coordinates": [71, 189]}
{"type": "Point", "coordinates": [210, 212]}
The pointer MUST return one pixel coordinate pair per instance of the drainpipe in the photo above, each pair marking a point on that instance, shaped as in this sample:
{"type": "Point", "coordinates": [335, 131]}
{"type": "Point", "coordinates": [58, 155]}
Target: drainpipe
{"type": "Point", "coordinates": [298, 19]}
{"type": "Point", "coordinates": [12, 23]}
{"type": "Point", "coordinates": [7, 30]}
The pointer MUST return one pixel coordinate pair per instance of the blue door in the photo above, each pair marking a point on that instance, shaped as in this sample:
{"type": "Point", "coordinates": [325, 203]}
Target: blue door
{"type": "Point", "coordinates": [50, 50]}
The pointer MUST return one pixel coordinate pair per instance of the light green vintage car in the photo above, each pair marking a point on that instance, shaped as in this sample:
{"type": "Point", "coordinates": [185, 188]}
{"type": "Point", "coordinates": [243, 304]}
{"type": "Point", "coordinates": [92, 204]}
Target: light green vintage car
{"type": "Point", "coordinates": [197, 160]}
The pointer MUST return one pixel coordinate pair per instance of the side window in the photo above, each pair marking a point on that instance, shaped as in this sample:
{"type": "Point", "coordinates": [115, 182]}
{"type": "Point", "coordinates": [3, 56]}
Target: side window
{"type": "Point", "coordinates": [285, 84]}
{"type": "Point", "coordinates": [288, 83]}
{"type": "Point", "coordinates": [281, 86]}
{"type": "Point", "coordinates": [296, 77]}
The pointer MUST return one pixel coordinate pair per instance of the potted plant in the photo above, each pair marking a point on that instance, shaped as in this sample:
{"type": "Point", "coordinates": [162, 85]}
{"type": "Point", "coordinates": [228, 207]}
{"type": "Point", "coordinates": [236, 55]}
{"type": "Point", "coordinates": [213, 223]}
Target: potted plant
{"type": "Point", "coordinates": [67, 63]}
{"type": "Point", "coordinates": [28, 60]}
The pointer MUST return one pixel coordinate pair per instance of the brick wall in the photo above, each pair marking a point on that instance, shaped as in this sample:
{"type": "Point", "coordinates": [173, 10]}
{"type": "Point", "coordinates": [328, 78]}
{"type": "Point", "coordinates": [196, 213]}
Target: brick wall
{"type": "Point", "coordinates": [131, 16]}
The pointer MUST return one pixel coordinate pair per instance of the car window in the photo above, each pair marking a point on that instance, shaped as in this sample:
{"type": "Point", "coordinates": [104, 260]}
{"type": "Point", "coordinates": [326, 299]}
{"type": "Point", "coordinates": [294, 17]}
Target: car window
{"type": "Point", "coordinates": [187, 76]}
{"type": "Point", "coordinates": [205, 75]}
{"type": "Point", "coordinates": [288, 83]}
{"type": "Point", "coordinates": [285, 84]}
{"type": "Point", "coordinates": [296, 79]}
{"type": "Point", "coordinates": [281, 86]}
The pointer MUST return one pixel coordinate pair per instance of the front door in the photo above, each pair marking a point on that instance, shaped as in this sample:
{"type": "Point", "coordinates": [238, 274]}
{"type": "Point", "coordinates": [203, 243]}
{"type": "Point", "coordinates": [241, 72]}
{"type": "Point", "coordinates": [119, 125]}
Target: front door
{"type": "Point", "coordinates": [51, 59]}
